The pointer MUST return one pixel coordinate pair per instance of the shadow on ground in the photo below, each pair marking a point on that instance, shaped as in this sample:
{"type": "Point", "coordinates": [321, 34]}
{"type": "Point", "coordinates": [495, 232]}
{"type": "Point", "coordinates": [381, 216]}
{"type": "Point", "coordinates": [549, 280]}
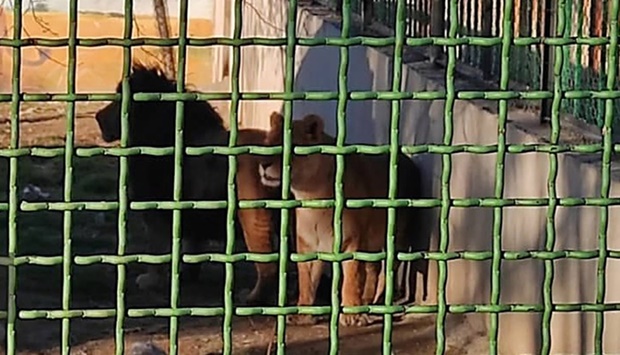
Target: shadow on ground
{"type": "Point", "coordinates": [41, 238]}
{"type": "Point", "coordinates": [256, 335]}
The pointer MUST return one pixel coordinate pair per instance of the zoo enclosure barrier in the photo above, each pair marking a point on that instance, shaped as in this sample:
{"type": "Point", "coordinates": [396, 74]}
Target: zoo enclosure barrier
{"type": "Point", "coordinates": [401, 39]}
{"type": "Point", "coordinates": [583, 33]}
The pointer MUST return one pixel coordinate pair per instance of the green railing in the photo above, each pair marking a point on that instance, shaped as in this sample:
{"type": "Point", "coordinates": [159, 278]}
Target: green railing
{"type": "Point", "coordinates": [14, 260]}
{"type": "Point", "coordinates": [585, 29]}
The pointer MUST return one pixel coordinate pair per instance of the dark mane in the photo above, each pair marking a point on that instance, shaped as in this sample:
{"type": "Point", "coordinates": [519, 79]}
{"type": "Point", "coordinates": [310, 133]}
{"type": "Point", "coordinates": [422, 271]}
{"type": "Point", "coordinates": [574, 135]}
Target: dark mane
{"type": "Point", "coordinates": [152, 122]}
{"type": "Point", "coordinates": [203, 178]}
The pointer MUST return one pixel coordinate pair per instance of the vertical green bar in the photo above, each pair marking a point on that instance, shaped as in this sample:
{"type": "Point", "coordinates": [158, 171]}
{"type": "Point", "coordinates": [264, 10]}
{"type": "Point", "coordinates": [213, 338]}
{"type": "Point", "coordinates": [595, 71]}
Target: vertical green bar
{"type": "Point", "coordinates": [13, 192]}
{"type": "Point", "coordinates": [289, 79]}
{"type": "Point", "coordinates": [612, 70]}
{"type": "Point", "coordinates": [499, 175]}
{"type": "Point", "coordinates": [446, 171]}
{"type": "Point", "coordinates": [556, 104]}
{"type": "Point", "coordinates": [231, 195]}
{"type": "Point", "coordinates": [178, 179]}
{"type": "Point", "coordinates": [397, 75]}
{"type": "Point", "coordinates": [122, 184]}
{"type": "Point", "coordinates": [341, 133]}
{"type": "Point", "coordinates": [68, 180]}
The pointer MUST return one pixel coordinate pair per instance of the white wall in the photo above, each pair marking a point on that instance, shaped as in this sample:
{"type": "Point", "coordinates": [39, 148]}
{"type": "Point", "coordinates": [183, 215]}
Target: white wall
{"type": "Point", "coordinates": [472, 176]}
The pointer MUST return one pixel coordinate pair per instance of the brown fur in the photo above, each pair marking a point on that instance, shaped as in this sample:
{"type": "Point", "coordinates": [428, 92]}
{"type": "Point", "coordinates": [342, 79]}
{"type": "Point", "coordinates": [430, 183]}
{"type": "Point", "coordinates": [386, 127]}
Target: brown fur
{"type": "Point", "coordinates": [150, 178]}
{"type": "Point", "coordinates": [256, 223]}
{"type": "Point", "coordinates": [364, 229]}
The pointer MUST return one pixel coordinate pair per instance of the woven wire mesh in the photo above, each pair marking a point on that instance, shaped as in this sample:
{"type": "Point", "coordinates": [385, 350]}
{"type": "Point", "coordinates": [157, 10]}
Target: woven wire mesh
{"type": "Point", "coordinates": [399, 9]}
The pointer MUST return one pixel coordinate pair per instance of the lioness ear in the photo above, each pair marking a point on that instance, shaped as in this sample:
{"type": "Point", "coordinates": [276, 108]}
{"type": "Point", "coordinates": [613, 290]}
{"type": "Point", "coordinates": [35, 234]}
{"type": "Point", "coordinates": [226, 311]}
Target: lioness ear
{"type": "Point", "coordinates": [314, 126]}
{"type": "Point", "coordinates": [275, 120]}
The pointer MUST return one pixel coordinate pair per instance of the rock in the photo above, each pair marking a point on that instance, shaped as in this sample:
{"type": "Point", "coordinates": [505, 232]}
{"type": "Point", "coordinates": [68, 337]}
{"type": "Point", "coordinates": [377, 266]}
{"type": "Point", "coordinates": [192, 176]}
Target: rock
{"type": "Point", "coordinates": [147, 348]}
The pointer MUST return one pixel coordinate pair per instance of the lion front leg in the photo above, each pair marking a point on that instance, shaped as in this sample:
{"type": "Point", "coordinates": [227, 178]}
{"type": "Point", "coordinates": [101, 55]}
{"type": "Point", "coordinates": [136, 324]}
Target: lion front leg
{"type": "Point", "coordinates": [308, 277]}
{"type": "Point", "coordinates": [352, 291]}
{"type": "Point", "coordinates": [372, 284]}
{"type": "Point", "coordinates": [257, 225]}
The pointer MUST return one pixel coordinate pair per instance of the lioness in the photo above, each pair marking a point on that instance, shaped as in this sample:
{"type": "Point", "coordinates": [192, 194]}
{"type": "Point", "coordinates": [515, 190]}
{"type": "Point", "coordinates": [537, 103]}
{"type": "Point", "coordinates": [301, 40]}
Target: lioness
{"type": "Point", "coordinates": [364, 229]}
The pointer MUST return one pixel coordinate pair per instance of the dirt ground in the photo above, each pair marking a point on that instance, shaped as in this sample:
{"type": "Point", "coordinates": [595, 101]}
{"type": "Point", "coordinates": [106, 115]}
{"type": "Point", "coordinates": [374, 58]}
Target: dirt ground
{"type": "Point", "coordinates": [94, 286]}
{"type": "Point", "coordinates": [44, 124]}
{"type": "Point", "coordinates": [98, 69]}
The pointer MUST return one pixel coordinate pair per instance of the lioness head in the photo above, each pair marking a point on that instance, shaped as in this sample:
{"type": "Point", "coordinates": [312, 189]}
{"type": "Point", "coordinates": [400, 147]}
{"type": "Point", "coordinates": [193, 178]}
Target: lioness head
{"type": "Point", "coordinates": [307, 131]}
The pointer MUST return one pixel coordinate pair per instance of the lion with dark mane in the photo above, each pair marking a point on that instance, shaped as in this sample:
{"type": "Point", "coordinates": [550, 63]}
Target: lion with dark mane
{"type": "Point", "coordinates": [150, 178]}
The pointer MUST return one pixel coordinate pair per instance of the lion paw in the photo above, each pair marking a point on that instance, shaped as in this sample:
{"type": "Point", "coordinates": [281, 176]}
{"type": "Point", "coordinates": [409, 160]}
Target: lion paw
{"type": "Point", "coordinates": [354, 320]}
{"type": "Point", "coordinates": [147, 281]}
{"type": "Point", "coordinates": [300, 319]}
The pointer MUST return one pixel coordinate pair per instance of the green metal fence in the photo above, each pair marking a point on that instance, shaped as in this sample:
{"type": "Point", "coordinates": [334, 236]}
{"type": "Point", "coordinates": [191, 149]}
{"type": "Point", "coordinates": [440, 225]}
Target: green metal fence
{"type": "Point", "coordinates": [453, 41]}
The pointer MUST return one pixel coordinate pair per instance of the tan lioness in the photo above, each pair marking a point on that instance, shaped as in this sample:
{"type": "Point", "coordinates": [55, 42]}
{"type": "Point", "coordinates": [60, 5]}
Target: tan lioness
{"type": "Point", "coordinates": [364, 229]}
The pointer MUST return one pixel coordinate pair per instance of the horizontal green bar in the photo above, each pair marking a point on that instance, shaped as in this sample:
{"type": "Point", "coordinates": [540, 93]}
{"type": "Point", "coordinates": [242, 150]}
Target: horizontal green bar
{"type": "Point", "coordinates": [489, 202]}
{"type": "Point", "coordinates": [314, 310]}
{"type": "Point", "coordinates": [295, 257]}
{"type": "Point", "coordinates": [303, 41]}
{"type": "Point", "coordinates": [318, 149]}
{"type": "Point", "coordinates": [319, 96]}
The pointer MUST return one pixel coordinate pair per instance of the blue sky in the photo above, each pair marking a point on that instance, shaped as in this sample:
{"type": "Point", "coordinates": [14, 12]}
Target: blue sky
{"type": "Point", "coordinates": [197, 8]}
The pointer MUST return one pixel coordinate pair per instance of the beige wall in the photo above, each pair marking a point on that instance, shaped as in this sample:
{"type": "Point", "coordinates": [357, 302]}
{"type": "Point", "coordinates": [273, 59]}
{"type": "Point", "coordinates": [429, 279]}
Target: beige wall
{"type": "Point", "coordinates": [472, 176]}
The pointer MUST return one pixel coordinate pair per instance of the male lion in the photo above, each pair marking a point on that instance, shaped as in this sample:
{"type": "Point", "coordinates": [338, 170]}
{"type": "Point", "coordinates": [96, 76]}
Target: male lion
{"type": "Point", "coordinates": [150, 178]}
{"type": "Point", "coordinates": [364, 229]}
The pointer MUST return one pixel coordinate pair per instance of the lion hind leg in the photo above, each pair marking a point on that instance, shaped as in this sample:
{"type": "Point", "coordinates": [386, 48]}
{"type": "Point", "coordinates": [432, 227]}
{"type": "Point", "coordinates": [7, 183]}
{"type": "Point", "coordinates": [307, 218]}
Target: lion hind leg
{"type": "Point", "coordinates": [257, 228]}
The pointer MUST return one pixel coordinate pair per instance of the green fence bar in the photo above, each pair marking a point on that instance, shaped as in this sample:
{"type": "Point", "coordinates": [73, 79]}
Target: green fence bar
{"type": "Point", "coordinates": [612, 62]}
{"type": "Point", "coordinates": [178, 179]}
{"type": "Point", "coordinates": [123, 202]}
{"type": "Point", "coordinates": [341, 126]}
{"type": "Point", "coordinates": [68, 178]}
{"type": "Point", "coordinates": [232, 169]}
{"type": "Point", "coordinates": [13, 206]}
{"type": "Point", "coordinates": [397, 75]}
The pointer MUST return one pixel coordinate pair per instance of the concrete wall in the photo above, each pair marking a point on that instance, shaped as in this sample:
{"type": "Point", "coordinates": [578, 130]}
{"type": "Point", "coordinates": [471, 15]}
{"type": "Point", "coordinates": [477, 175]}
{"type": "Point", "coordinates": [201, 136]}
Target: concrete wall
{"type": "Point", "coordinates": [472, 176]}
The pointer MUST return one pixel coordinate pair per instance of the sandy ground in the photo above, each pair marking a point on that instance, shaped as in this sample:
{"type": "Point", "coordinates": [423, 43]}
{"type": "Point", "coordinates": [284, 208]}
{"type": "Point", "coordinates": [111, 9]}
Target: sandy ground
{"type": "Point", "coordinates": [44, 124]}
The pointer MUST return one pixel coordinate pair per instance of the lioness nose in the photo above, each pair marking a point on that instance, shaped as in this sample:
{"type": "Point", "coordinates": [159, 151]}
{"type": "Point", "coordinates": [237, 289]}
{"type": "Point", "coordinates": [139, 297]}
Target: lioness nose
{"type": "Point", "coordinates": [265, 164]}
